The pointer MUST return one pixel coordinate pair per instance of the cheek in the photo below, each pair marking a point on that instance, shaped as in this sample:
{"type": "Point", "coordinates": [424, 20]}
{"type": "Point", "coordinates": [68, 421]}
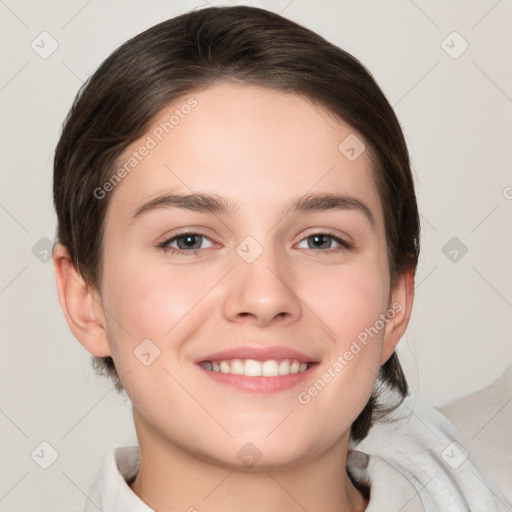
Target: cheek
{"type": "Point", "coordinates": [349, 304]}
{"type": "Point", "coordinates": [155, 301]}
{"type": "Point", "coordinates": [350, 299]}
{"type": "Point", "coordinates": [163, 307]}
{"type": "Point", "coordinates": [151, 302]}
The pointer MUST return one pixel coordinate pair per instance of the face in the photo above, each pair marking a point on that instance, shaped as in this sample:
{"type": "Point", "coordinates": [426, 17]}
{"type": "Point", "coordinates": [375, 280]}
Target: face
{"type": "Point", "coordinates": [254, 280]}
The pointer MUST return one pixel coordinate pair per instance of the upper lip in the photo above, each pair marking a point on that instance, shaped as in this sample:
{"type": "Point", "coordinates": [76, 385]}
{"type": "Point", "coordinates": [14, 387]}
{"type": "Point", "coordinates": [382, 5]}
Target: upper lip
{"type": "Point", "coordinates": [258, 353]}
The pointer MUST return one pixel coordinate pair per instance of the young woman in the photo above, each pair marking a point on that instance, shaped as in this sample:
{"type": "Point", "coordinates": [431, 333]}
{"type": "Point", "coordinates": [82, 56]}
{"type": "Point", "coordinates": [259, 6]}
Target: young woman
{"type": "Point", "coordinates": [237, 241]}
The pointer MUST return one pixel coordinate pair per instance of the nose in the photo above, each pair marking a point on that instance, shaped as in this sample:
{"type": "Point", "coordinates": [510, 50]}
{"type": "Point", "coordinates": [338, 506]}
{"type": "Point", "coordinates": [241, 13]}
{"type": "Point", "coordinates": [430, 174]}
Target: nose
{"type": "Point", "coordinates": [262, 292]}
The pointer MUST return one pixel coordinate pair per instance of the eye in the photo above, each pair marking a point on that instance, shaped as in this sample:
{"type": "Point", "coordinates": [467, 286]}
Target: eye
{"type": "Point", "coordinates": [324, 241]}
{"type": "Point", "coordinates": [189, 244]}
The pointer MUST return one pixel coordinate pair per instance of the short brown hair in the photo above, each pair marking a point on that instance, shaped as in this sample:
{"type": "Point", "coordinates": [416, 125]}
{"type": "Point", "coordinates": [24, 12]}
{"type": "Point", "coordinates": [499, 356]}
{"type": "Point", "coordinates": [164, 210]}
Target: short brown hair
{"type": "Point", "coordinates": [187, 53]}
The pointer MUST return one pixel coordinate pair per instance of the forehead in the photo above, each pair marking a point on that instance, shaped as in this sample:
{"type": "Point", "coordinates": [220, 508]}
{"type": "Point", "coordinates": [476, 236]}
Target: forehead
{"type": "Point", "coordinates": [244, 142]}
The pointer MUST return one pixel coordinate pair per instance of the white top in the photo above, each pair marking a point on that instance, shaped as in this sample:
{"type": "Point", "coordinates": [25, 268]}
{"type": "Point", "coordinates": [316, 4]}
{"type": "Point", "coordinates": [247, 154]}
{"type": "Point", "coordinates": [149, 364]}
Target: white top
{"type": "Point", "coordinates": [417, 463]}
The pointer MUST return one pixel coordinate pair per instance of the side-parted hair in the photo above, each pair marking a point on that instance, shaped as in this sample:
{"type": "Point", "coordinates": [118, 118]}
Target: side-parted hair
{"type": "Point", "coordinates": [187, 53]}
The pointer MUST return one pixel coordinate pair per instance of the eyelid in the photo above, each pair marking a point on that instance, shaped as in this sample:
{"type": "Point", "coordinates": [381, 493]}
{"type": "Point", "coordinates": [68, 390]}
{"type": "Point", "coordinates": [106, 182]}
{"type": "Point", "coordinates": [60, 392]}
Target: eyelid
{"type": "Point", "coordinates": [168, 239]}
{"type": "Point", "coordinates": [343, 244]}
{"type": "Point", "coordinates": [190, 230]}
{"type": "Point", "coordinates": [330, 232]}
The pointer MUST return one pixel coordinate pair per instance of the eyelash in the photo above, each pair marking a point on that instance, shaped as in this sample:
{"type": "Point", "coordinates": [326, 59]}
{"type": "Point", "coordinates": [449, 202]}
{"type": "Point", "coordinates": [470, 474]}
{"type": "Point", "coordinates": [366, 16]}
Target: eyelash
{"type": "Point", "coordinates": [344, 245]}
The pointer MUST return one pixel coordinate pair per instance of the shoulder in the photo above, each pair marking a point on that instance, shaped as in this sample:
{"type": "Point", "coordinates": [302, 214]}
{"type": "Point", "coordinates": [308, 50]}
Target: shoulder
{"type": "Point", "coordinates": [484, 418]}
{"type": "Point", "coordinates": [419, 450]}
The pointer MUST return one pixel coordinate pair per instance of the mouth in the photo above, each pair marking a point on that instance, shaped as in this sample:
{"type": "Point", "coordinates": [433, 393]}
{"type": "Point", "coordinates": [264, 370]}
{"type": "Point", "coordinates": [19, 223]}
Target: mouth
{"type": "Point", "coordinates": [263, 377]}
{"type": "Point", "coordinates": [254, 368]}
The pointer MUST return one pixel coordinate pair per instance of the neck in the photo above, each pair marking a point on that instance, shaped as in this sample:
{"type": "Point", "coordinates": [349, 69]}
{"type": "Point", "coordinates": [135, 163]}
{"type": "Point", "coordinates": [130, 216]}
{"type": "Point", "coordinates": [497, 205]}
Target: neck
{"type": "Point", "coordinates": [171, 479]}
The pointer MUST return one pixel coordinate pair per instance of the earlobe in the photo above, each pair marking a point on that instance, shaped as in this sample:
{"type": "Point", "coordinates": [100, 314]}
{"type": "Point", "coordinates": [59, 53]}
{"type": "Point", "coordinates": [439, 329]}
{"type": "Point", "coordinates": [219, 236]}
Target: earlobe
{"type": "Point", "coordinates": [77, 301]}
{"type": "Point", "coordinates": [400, 308]}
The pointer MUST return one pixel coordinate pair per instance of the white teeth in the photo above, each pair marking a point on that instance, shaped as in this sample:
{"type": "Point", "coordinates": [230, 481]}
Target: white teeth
{"type": "Point", "coordinates": [237, 367]}
{"type": "Point", "coordinates": [284, 367]}
{"type": "Point", "coordinates": [253, 368]}
{"type": "Point", "coordinates": [270, 368]}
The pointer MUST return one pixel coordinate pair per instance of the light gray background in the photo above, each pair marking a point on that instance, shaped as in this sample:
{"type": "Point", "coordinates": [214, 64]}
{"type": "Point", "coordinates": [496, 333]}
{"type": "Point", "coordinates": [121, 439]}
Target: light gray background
{"type": "Point", "coordinates": [457, 117]}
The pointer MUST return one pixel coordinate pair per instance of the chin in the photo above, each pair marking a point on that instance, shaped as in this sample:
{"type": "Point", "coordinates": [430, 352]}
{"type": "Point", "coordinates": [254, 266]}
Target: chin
{"type": "Point", "coordinates": [261, 454]}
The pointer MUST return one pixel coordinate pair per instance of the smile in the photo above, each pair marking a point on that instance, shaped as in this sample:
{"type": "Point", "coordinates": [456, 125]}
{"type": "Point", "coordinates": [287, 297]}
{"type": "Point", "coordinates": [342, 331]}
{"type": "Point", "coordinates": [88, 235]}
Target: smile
{"type": "Point", "coordinates": [253, 368]}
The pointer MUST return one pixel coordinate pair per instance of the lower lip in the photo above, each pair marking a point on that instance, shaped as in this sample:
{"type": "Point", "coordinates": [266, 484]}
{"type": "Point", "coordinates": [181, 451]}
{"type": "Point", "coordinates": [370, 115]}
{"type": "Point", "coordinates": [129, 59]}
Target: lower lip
{"type": "Point", "coordinates": [261, 384]}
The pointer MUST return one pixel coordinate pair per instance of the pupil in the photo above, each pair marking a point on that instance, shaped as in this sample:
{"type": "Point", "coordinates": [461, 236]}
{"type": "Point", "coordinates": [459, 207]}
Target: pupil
{"type": "Point", "coordinates": [187, 239]}
{"type": "Point", "coordinates": [320, 237]}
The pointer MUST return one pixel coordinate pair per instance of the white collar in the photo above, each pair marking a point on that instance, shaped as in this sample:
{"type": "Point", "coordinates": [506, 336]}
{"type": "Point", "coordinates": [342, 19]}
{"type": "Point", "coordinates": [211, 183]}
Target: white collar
{"type": "Point", "coordinates": [416, 463]}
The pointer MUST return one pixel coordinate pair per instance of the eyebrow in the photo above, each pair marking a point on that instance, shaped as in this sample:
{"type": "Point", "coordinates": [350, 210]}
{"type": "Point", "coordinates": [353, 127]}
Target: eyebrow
{"type": "Point", "coordinates": [213, 203]}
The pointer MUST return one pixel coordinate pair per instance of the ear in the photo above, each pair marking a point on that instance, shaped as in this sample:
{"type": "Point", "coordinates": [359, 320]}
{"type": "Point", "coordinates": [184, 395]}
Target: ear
{"type": "Point", "coordinates": [80, 302]}
{"type": "Point", "coordinates": [399, 313]}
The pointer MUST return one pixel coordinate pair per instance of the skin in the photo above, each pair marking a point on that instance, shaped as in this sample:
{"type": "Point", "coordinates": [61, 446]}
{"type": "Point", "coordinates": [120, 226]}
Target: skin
{"type": "Point", "coordinates": [260, 148]}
